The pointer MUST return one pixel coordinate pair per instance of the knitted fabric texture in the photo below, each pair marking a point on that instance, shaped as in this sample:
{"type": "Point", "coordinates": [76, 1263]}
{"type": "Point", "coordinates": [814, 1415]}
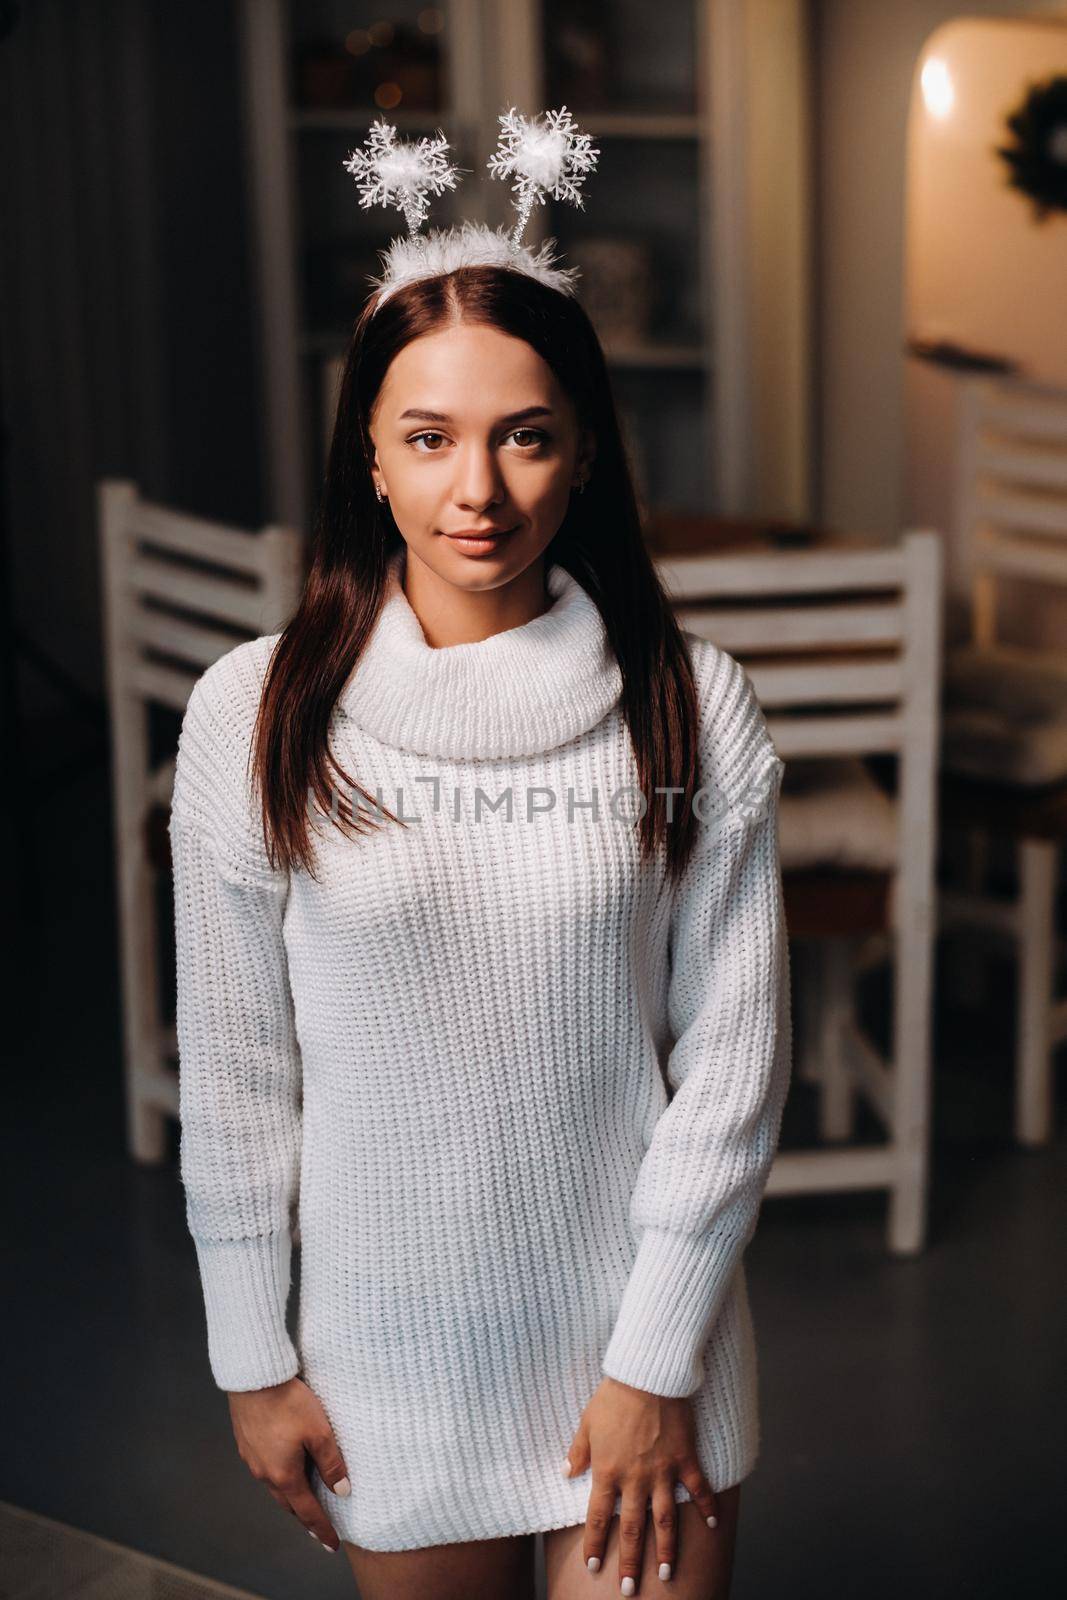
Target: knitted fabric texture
{"type": "Point", "coordinates": [514, 1095]}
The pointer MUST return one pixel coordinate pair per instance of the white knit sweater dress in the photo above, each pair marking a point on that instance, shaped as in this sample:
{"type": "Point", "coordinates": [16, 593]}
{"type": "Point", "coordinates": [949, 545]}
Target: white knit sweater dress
{"type": "Point", "coordinates": [514, 1096]}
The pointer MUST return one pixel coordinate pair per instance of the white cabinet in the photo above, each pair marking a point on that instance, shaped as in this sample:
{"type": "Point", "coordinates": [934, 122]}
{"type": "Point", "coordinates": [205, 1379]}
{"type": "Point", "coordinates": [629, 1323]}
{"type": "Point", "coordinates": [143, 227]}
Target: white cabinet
{"type": "Point", "coordinates": [676, 212]}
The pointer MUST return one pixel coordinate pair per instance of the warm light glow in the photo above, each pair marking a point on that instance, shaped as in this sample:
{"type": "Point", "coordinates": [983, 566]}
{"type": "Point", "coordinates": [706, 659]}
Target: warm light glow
{"type": "Point", "coordinates": [938, 92]}
{"type": "Point", "coordinates": [381, 32]}
{"type": "Point", "coordinates": [431, 19]}
{"type": "Point", "coordinates": [358, 42]}
{"type": "Point", "coordinates": [388, 95]}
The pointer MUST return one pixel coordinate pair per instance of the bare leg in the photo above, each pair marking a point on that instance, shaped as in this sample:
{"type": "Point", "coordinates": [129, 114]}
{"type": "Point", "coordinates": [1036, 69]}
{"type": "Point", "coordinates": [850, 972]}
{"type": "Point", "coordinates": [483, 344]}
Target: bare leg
{"type": "Point", "coordinates": [701, 1572]}
{"type": "Point", "coordinates": [492, 1569]}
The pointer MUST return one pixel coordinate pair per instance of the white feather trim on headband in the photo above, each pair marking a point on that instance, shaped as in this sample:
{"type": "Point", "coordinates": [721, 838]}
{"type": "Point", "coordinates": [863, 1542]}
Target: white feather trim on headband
{"type": "Point", "coordinates": [471, 244]}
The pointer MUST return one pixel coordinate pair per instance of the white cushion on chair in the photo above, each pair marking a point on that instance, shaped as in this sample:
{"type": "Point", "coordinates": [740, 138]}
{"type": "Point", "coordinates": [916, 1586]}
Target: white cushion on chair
{"type": "Point", "coordinates": [1004, 714]}
{"type": "Point", "coordinates": [832, 813]}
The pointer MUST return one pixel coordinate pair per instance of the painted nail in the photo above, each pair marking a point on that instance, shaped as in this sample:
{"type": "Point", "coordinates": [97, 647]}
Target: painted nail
{"type": "Point", "coordinates": [713, 1522]}
{"type": "Point", "coordinates": [342, 1486]}
{"type": "Point", "coordinates": [567, 1467]}
{"type": "Point", "coordinates": [664, 1570]}
{"type": "Point", "coordinates": [314, 1535]}
{"type": "Point", "coordinates": [628, 1585]}
{"type": "Point", "coordinates": [593, 1563]}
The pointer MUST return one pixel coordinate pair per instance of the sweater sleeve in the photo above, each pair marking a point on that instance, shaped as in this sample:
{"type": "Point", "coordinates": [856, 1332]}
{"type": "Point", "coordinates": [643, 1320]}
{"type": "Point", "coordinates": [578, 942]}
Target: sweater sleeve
{"type": "Point", "coordinates": [239, 1061]}
{"type": "Point", "coordinates": [700, 1185]}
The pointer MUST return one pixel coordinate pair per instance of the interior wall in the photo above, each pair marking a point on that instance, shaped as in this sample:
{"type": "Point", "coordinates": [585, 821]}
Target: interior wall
{"type": "Point", "coordinates": [864, 55]}
{"type": "Point", "coordinates": [981, 272]}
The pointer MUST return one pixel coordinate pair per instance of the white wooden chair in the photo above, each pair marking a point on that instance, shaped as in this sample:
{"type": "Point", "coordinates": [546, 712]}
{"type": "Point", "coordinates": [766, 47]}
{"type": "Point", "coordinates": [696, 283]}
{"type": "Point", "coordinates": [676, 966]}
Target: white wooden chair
{"type": "Point", "coordinates": [1004, 717]}
{"type": "Point", "coordinates": [843, 648]}
{"type": "Point", "coordinates": [178, 592]}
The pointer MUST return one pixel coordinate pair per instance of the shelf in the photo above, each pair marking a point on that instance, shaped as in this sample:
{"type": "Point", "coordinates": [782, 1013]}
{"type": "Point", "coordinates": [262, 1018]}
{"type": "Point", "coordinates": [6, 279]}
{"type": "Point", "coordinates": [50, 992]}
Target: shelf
{"type": "Point", "coordinates": [601, 125]}
{"type": "Point", "coordinates": [639, 124]}
{"type": "Point", "coordinates": [339, 119]}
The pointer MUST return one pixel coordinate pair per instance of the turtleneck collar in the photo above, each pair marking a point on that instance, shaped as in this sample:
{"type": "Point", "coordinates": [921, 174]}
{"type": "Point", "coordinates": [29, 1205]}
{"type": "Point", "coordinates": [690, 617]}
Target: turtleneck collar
{"type": "Point", "coordinates": [521, 691]}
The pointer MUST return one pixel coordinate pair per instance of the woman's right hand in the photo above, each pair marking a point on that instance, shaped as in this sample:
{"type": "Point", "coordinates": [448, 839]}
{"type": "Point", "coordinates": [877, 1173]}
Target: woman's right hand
{"type": "Point", "coordinates": [273, 1428]}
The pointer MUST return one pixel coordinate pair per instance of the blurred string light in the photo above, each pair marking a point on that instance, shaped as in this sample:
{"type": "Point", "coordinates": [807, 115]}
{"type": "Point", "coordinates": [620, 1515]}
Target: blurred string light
{"type": "Point", "coordinates": [388, 95]}
{"type": "Point", "coordinates": [938, 93]}
{"type": "Point", "coordinates": [357, 43]}
{"type": "Point", "coordinates": [431, 19]}
{"type": "Point", "coordinates": [381, 33]}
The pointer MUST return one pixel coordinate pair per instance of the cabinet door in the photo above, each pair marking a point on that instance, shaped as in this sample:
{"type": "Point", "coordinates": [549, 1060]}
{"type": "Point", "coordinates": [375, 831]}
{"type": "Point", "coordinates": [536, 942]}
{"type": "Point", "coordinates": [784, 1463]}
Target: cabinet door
{"type": "Point", "coordinates": [629, 73]}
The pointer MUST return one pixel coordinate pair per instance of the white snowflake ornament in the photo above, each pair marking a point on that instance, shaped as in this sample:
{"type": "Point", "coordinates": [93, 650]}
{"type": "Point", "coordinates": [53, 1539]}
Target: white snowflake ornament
{"type": "Point", "coordinates": [403, 174]}
{"type": "Point", "coordinates": [546, 156]}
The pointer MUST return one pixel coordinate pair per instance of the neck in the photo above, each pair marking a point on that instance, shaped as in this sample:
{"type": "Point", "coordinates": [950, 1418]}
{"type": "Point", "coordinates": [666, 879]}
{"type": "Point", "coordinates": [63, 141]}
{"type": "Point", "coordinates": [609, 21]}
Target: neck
{"type": "Point", "coordinates": [508, 691]}
{"type": "Point", "coordinates": [449, 614]}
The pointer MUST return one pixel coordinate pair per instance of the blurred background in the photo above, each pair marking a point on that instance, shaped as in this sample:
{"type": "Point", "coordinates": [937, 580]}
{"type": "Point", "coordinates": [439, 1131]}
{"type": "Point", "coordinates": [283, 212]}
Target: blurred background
{"type": "Point", "coordinates": [826, 253]}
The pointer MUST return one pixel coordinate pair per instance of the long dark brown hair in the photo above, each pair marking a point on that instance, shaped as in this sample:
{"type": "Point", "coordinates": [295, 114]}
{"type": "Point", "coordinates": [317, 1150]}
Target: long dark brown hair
{"type": "Point", "coordinates": [600, 543]}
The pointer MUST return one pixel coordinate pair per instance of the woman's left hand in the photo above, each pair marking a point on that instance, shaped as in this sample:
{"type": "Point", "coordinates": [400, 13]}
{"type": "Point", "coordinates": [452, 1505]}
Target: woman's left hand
{"type": "Point", "coordinates": [637, 1444]}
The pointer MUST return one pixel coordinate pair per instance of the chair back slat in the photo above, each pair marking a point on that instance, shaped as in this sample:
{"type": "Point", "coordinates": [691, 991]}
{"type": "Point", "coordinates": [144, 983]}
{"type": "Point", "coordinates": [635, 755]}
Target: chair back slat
{"type": "Point", "coordinates": [162, 686]}
{"type": "Point", "coordinates": [1022, 513]}
{"type": "Point", "coordinates": [826, 681]}
{"type": "Point", "coordinates": [195, 642]}
{"type": "Point", "coordinates": [1010, 517]}
{"type": "Point", "coordinates": [221, 597]}
{"type": "Point", "coordinates": [837, 736]}
{"type": "Point", "coordinates": [796, 627]}
{"type": "Point", "coordinates": [831, 640]}
{"type": "Point", "coordinates": [180, 533]}
{"type": "Point", "coordinates": [180, 591]}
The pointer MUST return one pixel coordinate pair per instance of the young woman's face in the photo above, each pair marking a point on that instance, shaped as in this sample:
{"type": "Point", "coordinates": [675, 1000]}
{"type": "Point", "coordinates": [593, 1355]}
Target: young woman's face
{"type": "Point", "coordinates": [472, 431]}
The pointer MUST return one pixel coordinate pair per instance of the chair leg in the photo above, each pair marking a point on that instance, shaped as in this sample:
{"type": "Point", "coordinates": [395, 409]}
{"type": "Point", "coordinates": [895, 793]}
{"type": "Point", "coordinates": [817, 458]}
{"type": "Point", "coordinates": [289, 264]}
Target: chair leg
{"type": "Point", "coordinates": [837, 1094]}
{"type": "Point", "coordinates": [966, 971]}
{"type": "Point", "coordinates": [1038, 861]}
{"type": "Point", "coordinates": [912, 1073]}
{"type": "Point", "coordinates": [808, 1005]}
{"type": "Point", "coordinates": [146, 1128]}
{"type": "Point", "coordinates": [146, 1131]}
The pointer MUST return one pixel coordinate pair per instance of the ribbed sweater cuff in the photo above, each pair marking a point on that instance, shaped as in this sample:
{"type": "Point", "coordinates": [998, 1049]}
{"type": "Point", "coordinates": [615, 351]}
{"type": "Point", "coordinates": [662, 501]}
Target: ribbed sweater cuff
{"type": "Point", "coordinates": [673, 1294]}
{"type": "Point", "coordinates": [246, 1286]}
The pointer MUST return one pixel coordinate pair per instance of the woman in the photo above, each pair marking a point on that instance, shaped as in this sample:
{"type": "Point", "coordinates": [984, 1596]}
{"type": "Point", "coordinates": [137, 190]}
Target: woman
{"type": "Point", "coordinates": [483, 982]}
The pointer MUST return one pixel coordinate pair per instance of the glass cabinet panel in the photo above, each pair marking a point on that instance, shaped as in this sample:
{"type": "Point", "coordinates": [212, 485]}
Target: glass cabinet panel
{"type": "Point", "coordinates": [628, 72]}
{"type": "Point", "coordinates": [620, 55]}
{"type": "Point", "coordinates": [637, 240]}
{"type": "Point", "coordinates": [389, 58]}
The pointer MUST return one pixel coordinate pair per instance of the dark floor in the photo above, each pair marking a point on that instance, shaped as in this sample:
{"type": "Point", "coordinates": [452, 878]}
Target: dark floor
{"type": "Point", "coordinates": [913, 1411]}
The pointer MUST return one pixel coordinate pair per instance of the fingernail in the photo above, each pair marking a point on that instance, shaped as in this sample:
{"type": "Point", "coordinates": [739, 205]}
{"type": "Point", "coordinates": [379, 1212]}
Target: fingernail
{"type": "Point", "coordinates": [314, 1535]}
{"type": "Point", "coordinates": [628, 1585]}
{"type": "Point", "coordinates": [664, 1570]}
{"type": "Point", "coordinates": [713, 1522]}
{"type": "Point", "coordinates": [342, 1486]}
{"type": "Point", "coordinates": [567, 1468]}
{"type": "Point", "coordinates": [593, 1563]}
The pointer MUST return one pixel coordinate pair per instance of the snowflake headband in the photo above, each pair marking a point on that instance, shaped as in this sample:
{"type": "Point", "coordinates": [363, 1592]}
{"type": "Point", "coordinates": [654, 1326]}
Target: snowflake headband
{"type": "Point", "coordinates": [547, 155]}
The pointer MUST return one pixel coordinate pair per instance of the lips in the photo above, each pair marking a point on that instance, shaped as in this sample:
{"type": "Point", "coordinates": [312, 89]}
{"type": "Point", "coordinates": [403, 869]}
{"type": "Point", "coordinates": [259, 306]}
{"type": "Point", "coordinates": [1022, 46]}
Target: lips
{"type": "Point", "coordinates": [478, 533]}
{"type": "Point", "coordinates": [484, 543]}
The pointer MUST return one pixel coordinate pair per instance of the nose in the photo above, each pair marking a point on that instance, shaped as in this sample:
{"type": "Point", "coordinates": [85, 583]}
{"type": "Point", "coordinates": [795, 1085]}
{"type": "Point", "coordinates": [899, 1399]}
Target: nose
{"type": "Point", "coordinates": [478, 482]}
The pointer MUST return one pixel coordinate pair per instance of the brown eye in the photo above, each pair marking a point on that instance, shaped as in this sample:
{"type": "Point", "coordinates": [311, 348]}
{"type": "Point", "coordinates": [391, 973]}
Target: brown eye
{"type": "Point", "coordinates": [418, 437]}
{"type": "Point", "coordinates": [533, 437]}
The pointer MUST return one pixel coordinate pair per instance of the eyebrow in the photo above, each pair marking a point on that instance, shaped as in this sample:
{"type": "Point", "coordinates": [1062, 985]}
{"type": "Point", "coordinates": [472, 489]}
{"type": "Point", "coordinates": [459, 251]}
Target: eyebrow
{"type": "Point", "coordinates": [512, 416]}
